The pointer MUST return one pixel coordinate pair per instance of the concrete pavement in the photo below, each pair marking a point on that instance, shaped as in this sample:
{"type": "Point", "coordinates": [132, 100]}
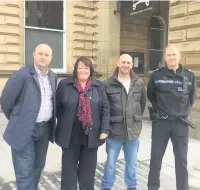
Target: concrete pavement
{"type": "Point", "coordinates": [51, 176]}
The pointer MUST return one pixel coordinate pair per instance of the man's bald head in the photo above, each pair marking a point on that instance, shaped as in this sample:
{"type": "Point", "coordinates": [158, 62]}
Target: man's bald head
{"type": "Point", "coordinates": [172, 56]}
{"type": "Point", "coordinates": [125, 64]}
{"type": "Point", "coordinates": [43, 46]}
{"type": "Point", "coordinates": [126, 57]}
{"type": "Point", "coordinates": [171, 46]}
{"type": "Point", "coordinates": [42, 56]}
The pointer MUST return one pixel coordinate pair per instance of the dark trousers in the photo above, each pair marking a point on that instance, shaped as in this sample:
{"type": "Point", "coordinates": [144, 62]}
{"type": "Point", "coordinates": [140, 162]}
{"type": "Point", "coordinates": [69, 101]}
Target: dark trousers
{"type": "Point", "coordinates": [162, 131]}
{"type": "Point", "coordinates": [29, 163]}
{"type": "Point", "coordinates": [78, 163]}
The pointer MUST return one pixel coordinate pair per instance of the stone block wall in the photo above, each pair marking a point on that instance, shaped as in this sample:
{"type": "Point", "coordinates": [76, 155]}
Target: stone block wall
{"type": "Point", "coordinates": [94, 32]}
{"type": "Point", "coordinates": [11, 38]}
{"type": "Point", "coordinates": [184, 31]}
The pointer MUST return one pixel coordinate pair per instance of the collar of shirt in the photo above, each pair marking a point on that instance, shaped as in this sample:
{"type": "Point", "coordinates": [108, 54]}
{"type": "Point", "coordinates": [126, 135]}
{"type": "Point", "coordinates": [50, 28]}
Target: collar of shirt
{"type": "Point", "coordinates": [39, 72]}
{"type": "Point", "coordinates": [170, 72]}
{"type": "Point", "coordinates": [124, 81]}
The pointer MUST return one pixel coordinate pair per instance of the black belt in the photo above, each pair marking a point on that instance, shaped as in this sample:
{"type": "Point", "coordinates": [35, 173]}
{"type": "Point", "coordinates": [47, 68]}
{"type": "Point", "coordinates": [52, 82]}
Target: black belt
{"type": "Point", "coordinates": [172, 118]}
{"type": "Point", "coordinates": [42, 123]}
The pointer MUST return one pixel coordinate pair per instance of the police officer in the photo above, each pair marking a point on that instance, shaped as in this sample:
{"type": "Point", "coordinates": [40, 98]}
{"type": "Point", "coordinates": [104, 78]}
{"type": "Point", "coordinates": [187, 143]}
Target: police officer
{"type": "Point", "coordinates": [171, 89]}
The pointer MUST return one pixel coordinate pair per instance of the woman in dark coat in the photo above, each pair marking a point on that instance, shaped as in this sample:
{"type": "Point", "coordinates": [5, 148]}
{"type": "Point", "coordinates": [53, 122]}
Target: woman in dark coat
{"type": "Point", "coordinates": [83, 125]}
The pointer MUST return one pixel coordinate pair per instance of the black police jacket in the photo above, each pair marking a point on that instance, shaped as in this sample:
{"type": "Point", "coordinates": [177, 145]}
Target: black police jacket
{"type": "Point", "coordinates": [173, 93]}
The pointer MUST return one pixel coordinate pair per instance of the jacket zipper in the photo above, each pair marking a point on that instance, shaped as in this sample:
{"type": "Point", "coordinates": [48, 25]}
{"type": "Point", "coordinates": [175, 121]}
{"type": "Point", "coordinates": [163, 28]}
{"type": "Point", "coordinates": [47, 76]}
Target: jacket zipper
{"type": "Point", "coordinates": [125, 120]}
{"type": "Point", "coordinates": [174, 86]}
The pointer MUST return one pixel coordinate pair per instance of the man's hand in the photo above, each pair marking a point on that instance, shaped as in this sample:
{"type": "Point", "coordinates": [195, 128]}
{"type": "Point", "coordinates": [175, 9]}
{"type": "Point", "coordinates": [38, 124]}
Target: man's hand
{"type": "Point", "coordinates": [103, 136]}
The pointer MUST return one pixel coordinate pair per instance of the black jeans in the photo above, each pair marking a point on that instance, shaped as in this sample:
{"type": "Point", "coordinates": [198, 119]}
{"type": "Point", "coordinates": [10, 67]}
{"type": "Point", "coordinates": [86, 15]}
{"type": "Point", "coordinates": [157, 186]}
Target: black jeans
{"type": "Point", "coordinates": [162, 131]}
{"type": "Point", "coordinates": [29, 163]}
{"type": "Point", "coordinates": [78, 163]}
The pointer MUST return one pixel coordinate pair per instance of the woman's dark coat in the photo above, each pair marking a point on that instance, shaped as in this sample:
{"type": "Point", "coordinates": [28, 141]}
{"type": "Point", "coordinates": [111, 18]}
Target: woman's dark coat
{"type": "Point", "coordinates": [67, 97]}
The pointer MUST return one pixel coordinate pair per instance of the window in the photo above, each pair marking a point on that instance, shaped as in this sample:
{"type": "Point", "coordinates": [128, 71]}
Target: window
{"type": "Point", "coordinates": [45, 23]}
{"type": "Point", "coordinates": [157, 43]}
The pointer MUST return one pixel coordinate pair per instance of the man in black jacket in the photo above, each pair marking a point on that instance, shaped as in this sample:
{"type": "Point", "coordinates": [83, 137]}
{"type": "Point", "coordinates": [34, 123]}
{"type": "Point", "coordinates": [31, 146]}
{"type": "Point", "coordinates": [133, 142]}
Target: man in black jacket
{"type": "Point", "coordinates": [171, 90]}
{"type": "Point", "coordinates": [126, 95]}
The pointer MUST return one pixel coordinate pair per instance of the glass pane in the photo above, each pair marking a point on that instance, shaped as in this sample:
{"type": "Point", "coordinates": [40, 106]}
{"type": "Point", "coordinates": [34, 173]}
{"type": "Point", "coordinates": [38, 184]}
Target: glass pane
{"type": "Point", "coordinates": [156, 39]}
{"type": "Point", "coordinates": [155, 23]}
{"type": "Point", "coordinates": [155, 59]}
{"type": "Point", "coordinates": [53, 39]}
{"type": "Point", "coordinates": [44, 14]}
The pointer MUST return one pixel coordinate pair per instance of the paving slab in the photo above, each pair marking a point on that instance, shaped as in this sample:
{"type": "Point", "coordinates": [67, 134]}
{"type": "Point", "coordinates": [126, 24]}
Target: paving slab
{"type": "Point", "coordinates": [50, 179]}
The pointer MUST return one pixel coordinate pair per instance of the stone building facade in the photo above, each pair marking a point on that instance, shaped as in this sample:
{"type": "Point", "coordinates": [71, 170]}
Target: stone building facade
{"type": "Point", "coordinates": [184, 31]}
{"type": "Point", "coordinates": [102, 30]}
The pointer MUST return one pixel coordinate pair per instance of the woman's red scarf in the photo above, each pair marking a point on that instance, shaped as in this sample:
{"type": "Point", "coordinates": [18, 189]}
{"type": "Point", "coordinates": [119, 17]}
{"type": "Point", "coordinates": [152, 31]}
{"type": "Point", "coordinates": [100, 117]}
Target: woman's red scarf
{"type": "Point", "coordinates": [84, 107]}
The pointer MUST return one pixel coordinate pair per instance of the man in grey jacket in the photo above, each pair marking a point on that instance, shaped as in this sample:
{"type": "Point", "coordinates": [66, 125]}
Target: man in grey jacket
{"type": "Point", "coordinates": [127, 98]}
{"type": "Point", "coordinates": [28, 102]}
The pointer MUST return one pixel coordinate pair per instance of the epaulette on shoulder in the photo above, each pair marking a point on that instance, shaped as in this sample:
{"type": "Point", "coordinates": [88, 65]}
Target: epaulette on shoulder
{"type": "Point", "coordinates": [159, 69]}
{"type": "Point", "coordinates": [187, 69]}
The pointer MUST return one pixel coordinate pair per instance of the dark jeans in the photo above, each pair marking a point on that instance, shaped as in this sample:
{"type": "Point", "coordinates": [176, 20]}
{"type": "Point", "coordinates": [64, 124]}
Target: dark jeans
{"type": "Point", "coordinates": [78, 163]}
{"type": "Point", "coordinates": [30, 162]}
{"type": "Point", "coordinates": [162, 131]}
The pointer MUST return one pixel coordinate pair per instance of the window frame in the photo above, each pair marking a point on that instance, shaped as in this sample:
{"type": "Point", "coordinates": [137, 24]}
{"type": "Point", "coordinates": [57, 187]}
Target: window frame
{"type": "Point", "coordinates": [64, 68]}
{"type": "Point", "coordinates": [163, 29]}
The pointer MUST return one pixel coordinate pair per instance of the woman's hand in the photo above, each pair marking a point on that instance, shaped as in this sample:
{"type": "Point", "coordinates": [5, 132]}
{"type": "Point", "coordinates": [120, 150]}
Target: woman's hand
{"type": "Point", "coordinates": [103, 136]}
